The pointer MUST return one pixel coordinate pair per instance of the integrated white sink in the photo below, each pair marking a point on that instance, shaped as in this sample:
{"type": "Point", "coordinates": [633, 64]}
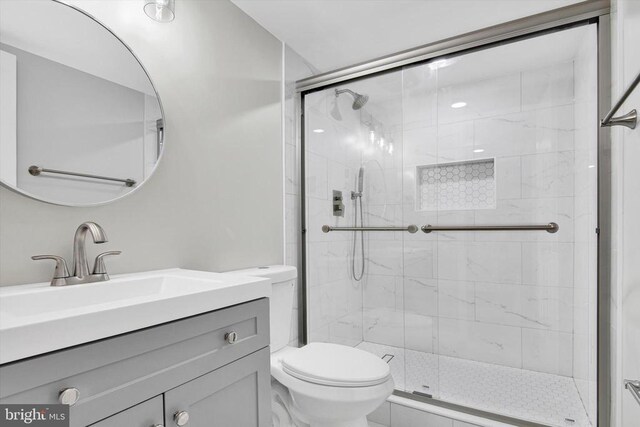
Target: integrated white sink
{"type": "Point", "coordinates": [38, 318]}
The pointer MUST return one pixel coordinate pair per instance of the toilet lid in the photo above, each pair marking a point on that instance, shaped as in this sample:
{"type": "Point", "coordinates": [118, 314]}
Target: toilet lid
{"type": "Point", "coordinates": [336, 365]}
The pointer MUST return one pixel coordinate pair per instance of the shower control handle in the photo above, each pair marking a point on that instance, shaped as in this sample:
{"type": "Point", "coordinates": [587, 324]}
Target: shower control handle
{"type": "Point", "coordinates": [337, 205]}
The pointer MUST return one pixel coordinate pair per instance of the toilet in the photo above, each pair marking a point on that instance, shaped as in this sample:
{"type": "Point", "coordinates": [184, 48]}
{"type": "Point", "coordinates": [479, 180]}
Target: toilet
{"type": "Point", "coordinates": [320, 384]}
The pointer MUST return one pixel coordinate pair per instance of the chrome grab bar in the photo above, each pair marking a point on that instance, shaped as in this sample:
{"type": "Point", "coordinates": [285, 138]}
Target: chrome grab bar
{"type": "Point", "coordinates": [411, 228]}
{"type": "Point", "coordinates": [634, 389]}
{"type": "Point", "coordinates": [37, 170]}
{"type": "Point", "coordinates": [631, 118]}
{"type": "Point", "coordinates": [552, 227]}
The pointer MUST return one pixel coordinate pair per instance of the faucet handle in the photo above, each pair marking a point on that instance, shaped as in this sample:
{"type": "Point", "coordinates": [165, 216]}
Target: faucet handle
{"type": "Point", "coordinates": [98, 265]}
{"type": "Point", "coordinates": [61, 271]}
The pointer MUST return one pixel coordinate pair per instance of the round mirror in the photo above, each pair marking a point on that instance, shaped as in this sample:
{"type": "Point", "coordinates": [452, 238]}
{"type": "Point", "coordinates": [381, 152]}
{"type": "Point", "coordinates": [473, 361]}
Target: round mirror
{"type": "Point", "coordinates": [80, 121]}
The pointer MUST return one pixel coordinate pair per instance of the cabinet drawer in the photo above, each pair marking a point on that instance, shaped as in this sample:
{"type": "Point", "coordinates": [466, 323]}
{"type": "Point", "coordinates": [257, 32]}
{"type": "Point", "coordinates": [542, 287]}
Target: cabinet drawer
{"type": "Point", "coordinates": [116, 373]}
{"type": "Point", "coordinates": [237, 394]}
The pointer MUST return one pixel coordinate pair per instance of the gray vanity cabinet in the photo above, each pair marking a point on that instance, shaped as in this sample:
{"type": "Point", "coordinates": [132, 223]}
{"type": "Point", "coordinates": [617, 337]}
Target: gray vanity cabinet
{"type": "Point", "coordinates": [216, 365]}
{"type": "Point", "coordinates": [145, 414]}
{"type": "Point", "coordinates": [226, 397]}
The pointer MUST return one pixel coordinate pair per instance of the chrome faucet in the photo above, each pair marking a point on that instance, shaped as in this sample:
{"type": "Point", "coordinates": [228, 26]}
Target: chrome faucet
{"type": "Point", "coordinates": [80, 264]}
{"type": "Point", "coordinates": [61, 276]}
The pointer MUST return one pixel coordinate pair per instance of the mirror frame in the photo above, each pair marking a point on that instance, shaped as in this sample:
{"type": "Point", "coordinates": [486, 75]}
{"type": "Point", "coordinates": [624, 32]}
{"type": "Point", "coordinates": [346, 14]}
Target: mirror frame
{"type": "Point", "coordinates": [164, 121]}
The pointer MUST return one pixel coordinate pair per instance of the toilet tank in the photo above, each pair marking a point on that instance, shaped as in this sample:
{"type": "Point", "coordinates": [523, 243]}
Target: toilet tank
{"type": "Point", "coordinates": [283, 281]}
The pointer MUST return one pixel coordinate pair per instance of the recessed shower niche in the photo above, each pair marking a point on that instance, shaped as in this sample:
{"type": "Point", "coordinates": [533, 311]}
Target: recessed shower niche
{"type": "Point", "coordinates": [456, 186]}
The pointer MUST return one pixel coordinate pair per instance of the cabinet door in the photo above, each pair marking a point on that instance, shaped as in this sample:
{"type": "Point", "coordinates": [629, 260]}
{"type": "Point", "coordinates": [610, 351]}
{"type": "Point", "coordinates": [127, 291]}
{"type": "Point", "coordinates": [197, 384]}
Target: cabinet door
{"type": "Point", "coordinates": [237, 394]}
{"type": "Point", "coordinates": [145, 414]}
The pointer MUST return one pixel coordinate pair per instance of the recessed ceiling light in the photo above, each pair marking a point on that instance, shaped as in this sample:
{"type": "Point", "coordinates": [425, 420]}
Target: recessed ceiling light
{"type": "Point", "coordinates": [318, 131]}
{"type": "Point", "coordinates": [592, 166]}
{"type": "Point", "coordinates": [440, 63]}
{"type": "Point", "coordinates": [458, 104]}
{"type": "Point", "coordinates": [479, 150]}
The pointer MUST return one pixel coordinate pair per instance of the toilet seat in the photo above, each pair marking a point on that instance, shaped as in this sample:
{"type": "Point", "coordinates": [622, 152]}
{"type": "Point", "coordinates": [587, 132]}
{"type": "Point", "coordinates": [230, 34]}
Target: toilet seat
{"type": "Point", "coordinates": [335, 365]}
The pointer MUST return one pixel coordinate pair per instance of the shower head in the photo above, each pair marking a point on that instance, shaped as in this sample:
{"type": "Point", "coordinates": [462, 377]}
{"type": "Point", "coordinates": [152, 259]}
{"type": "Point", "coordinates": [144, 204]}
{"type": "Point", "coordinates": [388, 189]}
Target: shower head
{"type": "Point", "coordinates": [359, 100]}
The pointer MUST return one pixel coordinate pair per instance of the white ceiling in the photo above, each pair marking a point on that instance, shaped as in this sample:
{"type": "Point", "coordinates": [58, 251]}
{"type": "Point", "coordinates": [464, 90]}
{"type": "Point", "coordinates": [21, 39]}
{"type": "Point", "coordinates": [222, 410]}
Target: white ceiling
{"type": "Point", "coordinates": [331, 34]}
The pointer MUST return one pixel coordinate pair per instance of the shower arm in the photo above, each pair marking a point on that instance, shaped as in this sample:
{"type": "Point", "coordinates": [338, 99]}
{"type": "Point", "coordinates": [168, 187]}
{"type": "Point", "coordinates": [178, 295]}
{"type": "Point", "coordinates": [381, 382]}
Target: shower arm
{"type": "Point", "coordinates": [349, 91]}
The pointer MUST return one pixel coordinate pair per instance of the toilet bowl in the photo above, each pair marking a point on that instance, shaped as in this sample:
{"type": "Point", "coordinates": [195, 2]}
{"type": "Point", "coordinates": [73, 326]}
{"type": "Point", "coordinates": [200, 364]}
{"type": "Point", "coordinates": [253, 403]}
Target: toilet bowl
{"type": "Point", "coordinates": [320, 384]}
{"type": "Point", "coordinates": [323, 392]}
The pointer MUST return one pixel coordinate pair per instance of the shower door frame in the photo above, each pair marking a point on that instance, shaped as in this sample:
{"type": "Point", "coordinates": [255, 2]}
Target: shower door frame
{"type": "Point", "coordinates": [588, 12]}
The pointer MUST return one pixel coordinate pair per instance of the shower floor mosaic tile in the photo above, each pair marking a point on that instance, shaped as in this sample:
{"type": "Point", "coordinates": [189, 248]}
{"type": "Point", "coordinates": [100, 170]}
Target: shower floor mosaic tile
{"type": "Point", "coordinates": [527, 395]}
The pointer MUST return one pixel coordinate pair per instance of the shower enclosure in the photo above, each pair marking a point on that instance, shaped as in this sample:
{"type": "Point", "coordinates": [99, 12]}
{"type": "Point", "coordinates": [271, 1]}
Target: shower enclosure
{"type": "Point", "coordinates": [469, 310]}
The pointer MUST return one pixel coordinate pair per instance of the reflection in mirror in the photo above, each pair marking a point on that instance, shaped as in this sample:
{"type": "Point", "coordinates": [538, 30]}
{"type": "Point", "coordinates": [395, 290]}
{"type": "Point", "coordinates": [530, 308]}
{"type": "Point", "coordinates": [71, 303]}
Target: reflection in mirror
{"type": "Point", "coordinates": [80, 121]}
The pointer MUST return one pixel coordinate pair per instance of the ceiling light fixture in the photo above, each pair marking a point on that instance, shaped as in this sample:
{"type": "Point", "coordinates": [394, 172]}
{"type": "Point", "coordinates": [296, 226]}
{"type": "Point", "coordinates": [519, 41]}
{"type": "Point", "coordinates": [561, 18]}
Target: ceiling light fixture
{"type": "Point", "coordinates": [160, 10]}
{"type": "Point", "coordinates": [318, 131]}
{"type": "Point", "coordinates": [479, 150]}
{"type": "Point", "coordinates": [458, 104]}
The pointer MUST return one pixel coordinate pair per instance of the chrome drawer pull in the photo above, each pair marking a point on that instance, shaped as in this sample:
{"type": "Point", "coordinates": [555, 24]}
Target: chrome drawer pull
{"type": "Point", "coordinates": [69, 396]}
{"type": "Point", "coordinates": [181, 418]}
{"type": "Point", "coordinates": [231, 337]}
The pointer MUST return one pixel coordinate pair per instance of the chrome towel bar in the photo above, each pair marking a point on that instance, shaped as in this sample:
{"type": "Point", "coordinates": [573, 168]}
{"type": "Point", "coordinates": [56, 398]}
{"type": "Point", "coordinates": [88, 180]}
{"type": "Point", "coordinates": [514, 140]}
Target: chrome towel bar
{"type": "Point", "coordinates": [634, 389]}
{"type": "Point", "coordinates": [37, 170]}
{"type": "Point", "coordinates": [411, 228]}
{"type": "Point", "coordinates": [631, 118]}
{"type": "Point", "coordinates": [552, 227]}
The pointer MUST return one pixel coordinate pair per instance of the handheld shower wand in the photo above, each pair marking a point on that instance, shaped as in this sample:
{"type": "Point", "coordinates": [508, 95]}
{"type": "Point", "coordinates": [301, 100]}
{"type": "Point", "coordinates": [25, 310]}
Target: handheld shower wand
{"type": "Point", "coordinates": [359, 186]}
{"type": "Point", "coordinates": [356, 196]}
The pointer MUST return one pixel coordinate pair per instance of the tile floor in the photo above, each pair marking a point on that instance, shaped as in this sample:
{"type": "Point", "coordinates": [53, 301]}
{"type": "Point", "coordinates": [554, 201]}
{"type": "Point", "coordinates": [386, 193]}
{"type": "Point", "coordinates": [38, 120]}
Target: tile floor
{"type": "Point", "coordinates": [528, 395]}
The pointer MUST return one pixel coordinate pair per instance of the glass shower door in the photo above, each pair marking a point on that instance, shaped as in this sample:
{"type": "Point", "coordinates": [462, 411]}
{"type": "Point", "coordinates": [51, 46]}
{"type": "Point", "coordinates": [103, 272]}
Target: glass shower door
{"type": "Point", "coordinates": [504, 321]}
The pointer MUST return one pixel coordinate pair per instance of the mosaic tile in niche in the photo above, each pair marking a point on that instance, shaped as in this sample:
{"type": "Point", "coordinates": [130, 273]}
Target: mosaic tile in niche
{"type": "Point", "coordinates": [456, 186]}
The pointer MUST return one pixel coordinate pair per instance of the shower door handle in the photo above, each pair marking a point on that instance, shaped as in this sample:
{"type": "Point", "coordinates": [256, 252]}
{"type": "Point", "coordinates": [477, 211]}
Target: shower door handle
{"type": "Point", "coordinates": [410, 228]}
{"type": "Point", "coordinates": [551, 227]}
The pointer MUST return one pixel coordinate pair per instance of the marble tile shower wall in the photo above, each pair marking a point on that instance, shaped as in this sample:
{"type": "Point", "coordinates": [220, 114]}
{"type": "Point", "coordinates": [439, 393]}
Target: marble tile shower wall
{"type": "Point", "coordinates": [502, 297]}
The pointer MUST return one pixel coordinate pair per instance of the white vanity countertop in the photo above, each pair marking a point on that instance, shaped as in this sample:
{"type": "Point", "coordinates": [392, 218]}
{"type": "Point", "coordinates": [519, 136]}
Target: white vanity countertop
{"type": "Point", "coordinates": [38, 318]}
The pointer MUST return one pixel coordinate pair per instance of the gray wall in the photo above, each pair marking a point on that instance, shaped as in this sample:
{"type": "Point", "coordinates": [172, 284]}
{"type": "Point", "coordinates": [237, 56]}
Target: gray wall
{"type": "Point", "coordinates": [215, 201]}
